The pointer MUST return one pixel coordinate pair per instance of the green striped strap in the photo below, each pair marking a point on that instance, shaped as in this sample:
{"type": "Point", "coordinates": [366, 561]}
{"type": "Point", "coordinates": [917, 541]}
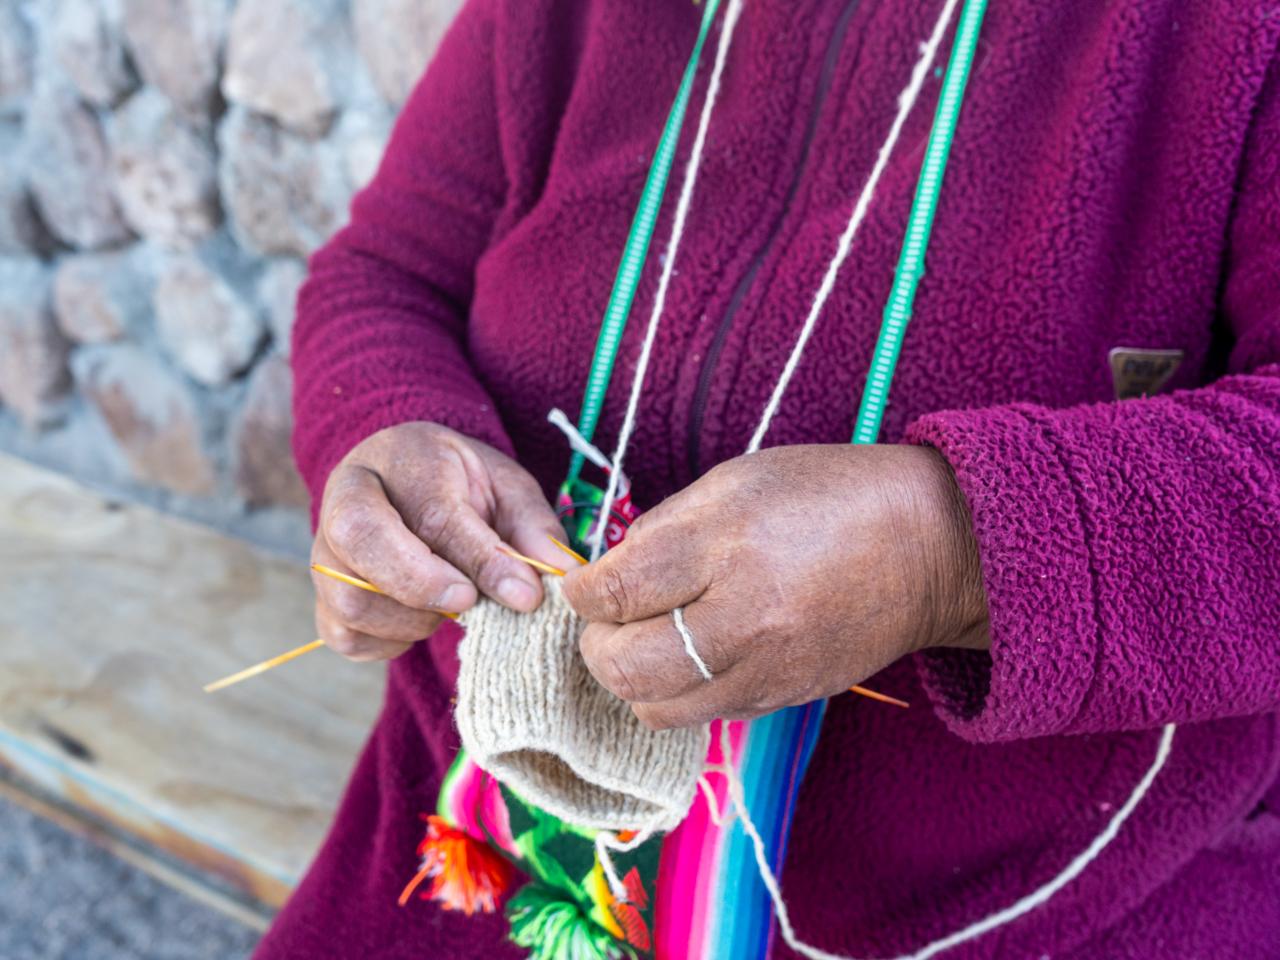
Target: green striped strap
{"type": "Point", "coordinates": [636, 250]}
{"type": "Point", "coordinates": [897, 312]}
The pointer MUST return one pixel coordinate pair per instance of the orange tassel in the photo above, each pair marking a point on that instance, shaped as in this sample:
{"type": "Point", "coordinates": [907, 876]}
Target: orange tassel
{"type": "Point", "coordinates": [627, 912]}
{"type": "Point", "coordinates": [465, 874]}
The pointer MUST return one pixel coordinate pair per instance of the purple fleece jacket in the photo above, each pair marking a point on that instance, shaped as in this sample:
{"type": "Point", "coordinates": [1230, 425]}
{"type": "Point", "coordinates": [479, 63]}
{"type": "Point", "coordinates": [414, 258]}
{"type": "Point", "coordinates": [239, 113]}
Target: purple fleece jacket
{"type": "Point", "coordinates": [1115, 182]}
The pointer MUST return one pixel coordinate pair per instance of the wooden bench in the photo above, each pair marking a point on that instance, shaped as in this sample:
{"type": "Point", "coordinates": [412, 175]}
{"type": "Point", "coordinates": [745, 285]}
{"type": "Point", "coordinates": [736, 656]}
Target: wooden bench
{"type": "Point", "coordinates": [112, 617]}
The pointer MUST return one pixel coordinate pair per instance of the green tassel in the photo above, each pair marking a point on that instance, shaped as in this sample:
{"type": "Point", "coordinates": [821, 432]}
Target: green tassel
{"type": "Point", "coordinates": [552, 927]}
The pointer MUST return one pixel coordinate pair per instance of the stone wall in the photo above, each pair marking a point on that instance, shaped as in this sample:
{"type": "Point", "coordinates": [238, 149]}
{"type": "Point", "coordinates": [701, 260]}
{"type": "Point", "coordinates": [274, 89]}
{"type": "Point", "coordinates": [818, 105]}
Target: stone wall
{"type": "Point", "coordinates": [165, 168]}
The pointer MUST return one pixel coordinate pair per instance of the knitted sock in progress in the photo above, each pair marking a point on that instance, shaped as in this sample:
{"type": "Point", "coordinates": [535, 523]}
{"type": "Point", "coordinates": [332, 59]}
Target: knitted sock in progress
{"type": "Point", "coordinates": [531, 714]}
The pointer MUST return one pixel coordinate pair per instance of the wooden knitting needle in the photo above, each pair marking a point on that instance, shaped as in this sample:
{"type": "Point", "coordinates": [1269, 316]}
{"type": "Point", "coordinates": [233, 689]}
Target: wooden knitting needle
{"type": "Point", "coordinates": [345, 578]}
{"type": "Point", "coordinates": [861, 691]}
{"type": "Point", "coordinates": [570, 551]}
{"type": "Point", "coordinates": [882, 697]}
{"type": "Point", "coordinates": [366, 585]}
{"type": "Point", "coordinates": [259, 668]}
{"type": "Point", "coordinates": [264, 666]}
{"type": "Point", "coordinates": [536, 564]}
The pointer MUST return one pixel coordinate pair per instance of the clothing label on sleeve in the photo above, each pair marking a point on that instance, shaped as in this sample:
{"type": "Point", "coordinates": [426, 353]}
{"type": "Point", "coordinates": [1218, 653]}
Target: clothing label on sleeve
{"type": "Point", "coordinates": [1137, 372]}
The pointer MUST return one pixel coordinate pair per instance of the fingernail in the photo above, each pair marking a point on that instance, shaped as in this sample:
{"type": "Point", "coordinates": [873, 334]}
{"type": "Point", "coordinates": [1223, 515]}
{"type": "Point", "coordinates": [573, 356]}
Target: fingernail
{"type": "Point", "coordinates": [455, 597]}
{"type": "Point", "coordinates": [517, 594]}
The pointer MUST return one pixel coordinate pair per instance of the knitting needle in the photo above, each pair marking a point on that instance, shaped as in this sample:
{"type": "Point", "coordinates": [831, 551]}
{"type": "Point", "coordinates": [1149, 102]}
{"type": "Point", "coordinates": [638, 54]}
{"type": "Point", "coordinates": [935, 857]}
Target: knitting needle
{"type": "Point", "coordinates": [861, 691]}
{"type": "Point", "coordinates": [274, 662]}
{"type": "Point", "coordinates": [570, 551]}
{"type": "Point", "coordinates": [344, 577]}
{"type": "Point", "coordinates": [366, 585]}
{"type": "Point", "coordinates": [882, 697]}
{"type": "Point", "coordinates": [536, 564]}
{"type": "Point", "coordinates": [264, 666]}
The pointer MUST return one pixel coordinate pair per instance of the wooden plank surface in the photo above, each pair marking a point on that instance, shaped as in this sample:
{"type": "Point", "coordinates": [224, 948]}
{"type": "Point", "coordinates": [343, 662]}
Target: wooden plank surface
{"type": "Point", "coordinates": [112, 617]}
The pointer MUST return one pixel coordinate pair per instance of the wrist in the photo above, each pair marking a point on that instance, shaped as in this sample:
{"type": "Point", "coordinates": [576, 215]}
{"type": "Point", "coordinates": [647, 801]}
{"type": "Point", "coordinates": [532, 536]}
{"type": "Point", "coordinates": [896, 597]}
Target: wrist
{"type": "Point", "coordinates": [956, 595]}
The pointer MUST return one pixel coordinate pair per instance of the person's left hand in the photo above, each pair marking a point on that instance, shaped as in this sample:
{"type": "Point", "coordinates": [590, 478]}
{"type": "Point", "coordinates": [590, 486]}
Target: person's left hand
{"type": "Point", "coordinates": [802, 570]}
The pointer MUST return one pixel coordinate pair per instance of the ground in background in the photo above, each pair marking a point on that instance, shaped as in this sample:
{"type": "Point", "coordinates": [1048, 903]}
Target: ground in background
{"type": "Point", "coordinates": [66, 899]}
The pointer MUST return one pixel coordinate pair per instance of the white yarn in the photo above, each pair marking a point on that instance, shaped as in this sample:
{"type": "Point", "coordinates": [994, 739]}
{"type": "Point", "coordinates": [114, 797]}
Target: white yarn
{"type": "Point", "coordinates": [906, 102]}
{"type": "Point", "coordinates": [577, 442]}
{"type": "Point", "coordinates": [677, 615]}
{"type": "Point", "coordinates": [998, 919]}
{"type": "Point", "coordinates": [604, 840]}
{"type": "Point", "coordinates": [713, 807]}
{"type": "Point", "coordinates": [668, 269]}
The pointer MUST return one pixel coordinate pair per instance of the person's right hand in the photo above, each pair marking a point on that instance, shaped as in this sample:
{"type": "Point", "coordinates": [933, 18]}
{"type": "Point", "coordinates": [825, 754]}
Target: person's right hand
{"type": "Point", "coordinates": [419, 511]}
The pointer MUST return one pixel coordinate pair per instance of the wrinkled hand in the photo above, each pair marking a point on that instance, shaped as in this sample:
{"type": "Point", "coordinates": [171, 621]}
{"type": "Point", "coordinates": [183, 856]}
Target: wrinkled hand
{"type": "Point", "coordinates": [802, 570]}
{"type": "Point", "coordinates": [419, 510]}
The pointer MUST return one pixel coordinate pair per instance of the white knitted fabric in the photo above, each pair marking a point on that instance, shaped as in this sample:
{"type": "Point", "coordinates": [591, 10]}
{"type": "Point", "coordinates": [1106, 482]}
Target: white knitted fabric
{"type": "Point", "coordinates": [531, 714]}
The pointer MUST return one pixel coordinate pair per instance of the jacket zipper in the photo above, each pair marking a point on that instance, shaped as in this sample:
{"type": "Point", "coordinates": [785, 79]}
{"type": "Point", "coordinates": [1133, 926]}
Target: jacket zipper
{"type": "Point", "coordinates": [709, 363]}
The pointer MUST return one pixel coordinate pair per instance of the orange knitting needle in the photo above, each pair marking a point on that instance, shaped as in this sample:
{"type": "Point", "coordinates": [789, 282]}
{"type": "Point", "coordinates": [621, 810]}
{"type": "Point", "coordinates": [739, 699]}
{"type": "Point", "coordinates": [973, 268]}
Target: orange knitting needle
{"type": "Point", "coordinates": [260, 668]}
{"type": "Point", "coordinates": [366, 585]}
{"type": "Point", "coordinates": [861, 691]}
{"type": "Point", "coordinates": [345, 578]}
{"type": "Point", "coordinates": [536, 564]}
{"type": "Point", "coordinates": [882, 697]}
{"type": "Point", "coordinates": [570, 551]}
{"type": "Point", "coordinates": [263, 667]}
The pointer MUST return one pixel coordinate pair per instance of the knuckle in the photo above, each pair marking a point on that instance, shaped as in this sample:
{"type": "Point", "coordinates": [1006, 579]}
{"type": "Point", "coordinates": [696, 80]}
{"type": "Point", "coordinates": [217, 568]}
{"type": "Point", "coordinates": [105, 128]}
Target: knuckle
{"type": "Point", "coordinates": [716, 637]}
{"type": "Point", "coordinates": [350, 524]}
{"type": "Point", "coordinates": [345, 642]}
{"type": "Point", "coordinates": [715, 652]}
{"type": "Point", "coordinates": [489, 569]}
{"type": "Point", "coordinates": [654, 718]}
{"type": "Point", "coordinates": [435, 523]}
{"type": "Point", "coordinates": [617, 672]}
{"type": "Point", "coordinates": [406, 589]}
{"type": "Point", "coordinates": [640, 526]}
{"type": "Point", "coordinates": [349, 604]}
{"type": "Point", "coordinates": [617, 594]}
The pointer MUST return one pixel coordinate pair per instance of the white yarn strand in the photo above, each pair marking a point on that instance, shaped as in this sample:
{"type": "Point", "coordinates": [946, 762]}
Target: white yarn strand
{"type": "Point", "coordinates": [668, 269]}
{"type": "Point", "coordinates": [998, 919]}
{"type": "Point", "coordinates": [677, 616]}
{"type": "Point", "coordinates": [606, 841]}
{"type": "Point", "coordinates": [577, 442]}
{"type": "Point", "coordinates": [906, 101]}
{"type": "Point", "coordinates": [1076, 867]}
{"type": "Point", "coordinates": [717, 818]}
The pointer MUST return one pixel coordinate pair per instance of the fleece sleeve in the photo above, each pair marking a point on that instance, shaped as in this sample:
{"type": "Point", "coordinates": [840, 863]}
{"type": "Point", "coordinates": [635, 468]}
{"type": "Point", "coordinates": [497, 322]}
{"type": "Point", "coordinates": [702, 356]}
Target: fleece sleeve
{"type": "Point", "coordinates": [1131, 550]}
{"type": "Point", "coordinates": [379, 337]}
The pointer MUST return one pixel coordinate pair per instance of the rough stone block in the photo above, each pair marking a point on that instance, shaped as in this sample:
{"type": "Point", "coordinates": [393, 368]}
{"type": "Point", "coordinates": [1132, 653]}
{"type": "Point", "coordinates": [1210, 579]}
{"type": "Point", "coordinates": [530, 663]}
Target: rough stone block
{"type": "Point", "coordinates": [177, 46]}
{"type": "Point", "coordinates": [166, 172]}
{"type": "Point", "coordinates": [101, 297]}
{"type": "Point", "coordinates": [261, 457]}
{"type": "Point", "coordinates": [87, 38]}
{"type": "Point", "coordinates": [397, 39]}
{"type": "Point", "coordinates": [68, 166]}
{"type": "Point", "coordinates": [33, 353]}
{"type": "Point", "coordinates": [283, 194]}
{"type": "Point", "coordinates": [17, 55]}
{"type": "Point", "coordinates": [152, 414]}
{"type": "Point", "coordinates": [203, 321]}
{"type": "Point", "coordinates": [286, 58]}
{"type": "Point", "coordinates": [21, 230]}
